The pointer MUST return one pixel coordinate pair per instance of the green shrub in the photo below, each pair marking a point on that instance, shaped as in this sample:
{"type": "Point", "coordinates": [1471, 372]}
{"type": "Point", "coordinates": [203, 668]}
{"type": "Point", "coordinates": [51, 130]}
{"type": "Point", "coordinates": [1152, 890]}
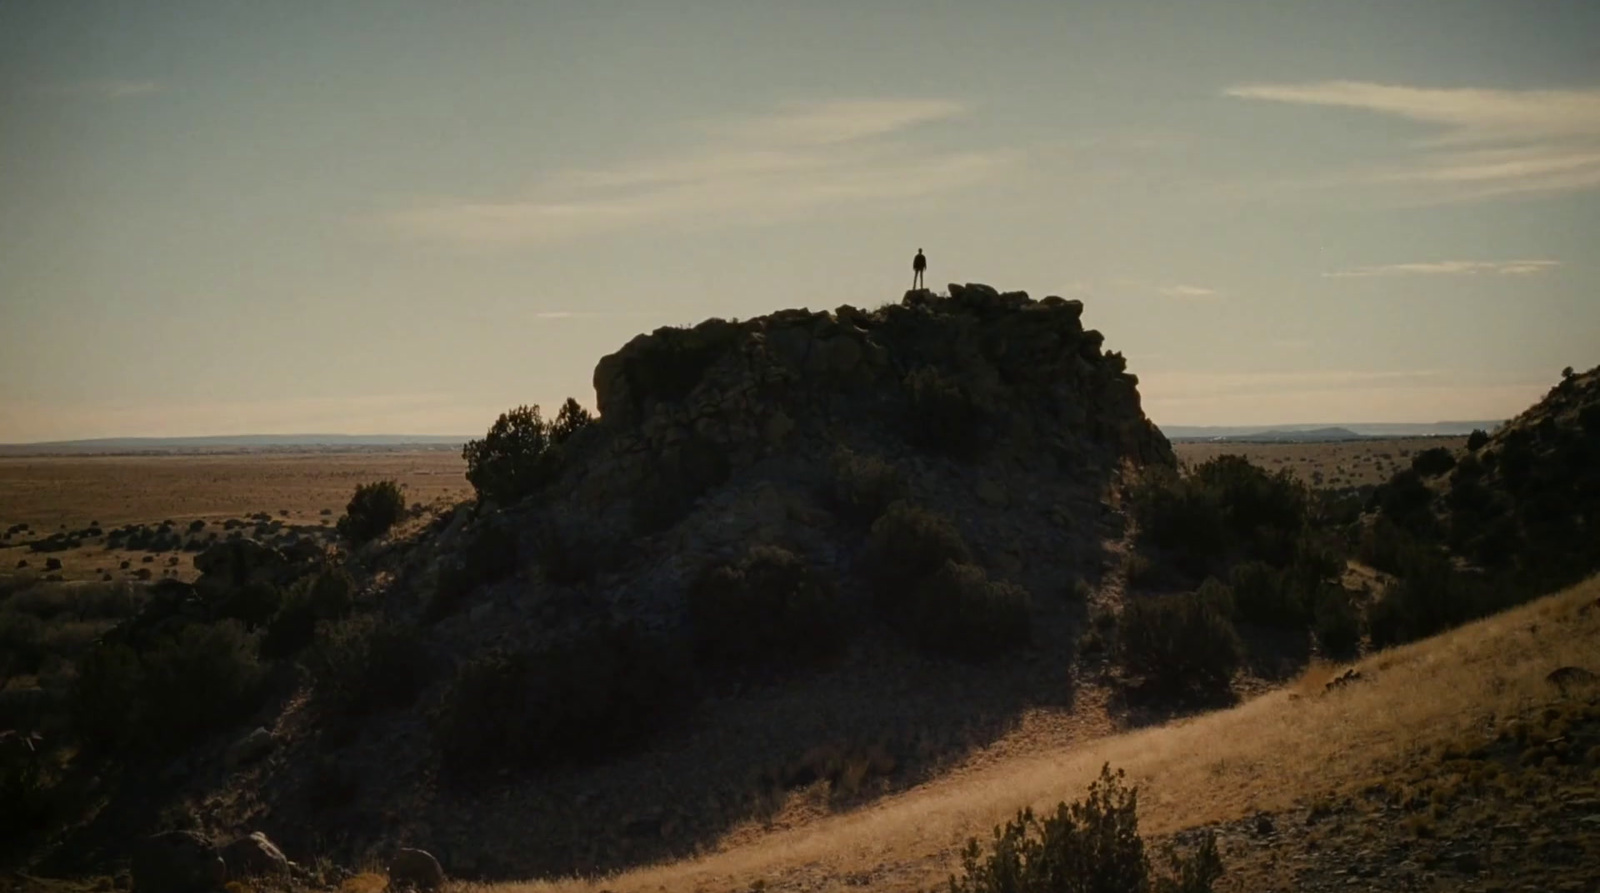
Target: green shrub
{"type": "Point", "coordinates": [323, 596]}
{"type": "Point", "coordinates": [945, 416]}
{"type": "Point", "coordinates": [21, 643]}
{"type": "Point", "coordinates": [1267, 596]}
{"type": "Point", "coordinates": [180, 686]}
{"type": "Point", "coordinates": [363, 665]}
{"type": "Point", "coordinates": [770, 606]}
{"type": "Point", "coordinates": [1433, 462]}
{"type": "Point", "coordinates": [1429, 596]}
{"type": "Point", "coordinates": [1090, 846]}
{"type": "Point", "coordinates": [907, 544]}
{"type": "Point", "coordinates": [861, 487]}
{"type": "Point", "coordinates": [489, 553]}
{"type": "Point", "coordinates": [580, 701]}
{"type": "Point", "coordinates": [1477, 439]}
{"type": "Point", "coordinates": [960, 612]}
{"type": "Point", "coordinates": [292, 629]}
{"type": "Point", "coordinates": [1224, 509]}
{"type": "Point", "coordinates": [570, 419]}
{"type": "Point", "coordinates": [373, 509]}
{"type": "Point", "coordinates": [1177, 643]}
{"type": "Point", "coordinates": [1336, 624]}
{"type": "Point", "coordinates": [514, 459]}
{"type": "Point", "coordinates": [254, 604]}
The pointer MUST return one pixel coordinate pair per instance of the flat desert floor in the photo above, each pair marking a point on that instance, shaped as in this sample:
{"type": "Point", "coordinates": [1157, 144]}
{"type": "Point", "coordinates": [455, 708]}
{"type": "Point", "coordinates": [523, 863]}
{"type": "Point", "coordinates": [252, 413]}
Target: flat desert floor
{"type": "Point", "coordinates": [302, 491]}
{"type": "Point", "coordinates": [309, 489]}
{"type": "Point", "coordinates": [1345, 463]}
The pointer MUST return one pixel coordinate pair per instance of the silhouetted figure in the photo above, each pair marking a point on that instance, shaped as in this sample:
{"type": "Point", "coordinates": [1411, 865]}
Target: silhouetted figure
{"type": "Point", "coordinates": [919, 264]}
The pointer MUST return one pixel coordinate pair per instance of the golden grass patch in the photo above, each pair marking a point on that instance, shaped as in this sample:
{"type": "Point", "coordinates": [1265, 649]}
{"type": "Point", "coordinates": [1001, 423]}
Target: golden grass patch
{"type": "Point", "coordinates": [1266, 754]}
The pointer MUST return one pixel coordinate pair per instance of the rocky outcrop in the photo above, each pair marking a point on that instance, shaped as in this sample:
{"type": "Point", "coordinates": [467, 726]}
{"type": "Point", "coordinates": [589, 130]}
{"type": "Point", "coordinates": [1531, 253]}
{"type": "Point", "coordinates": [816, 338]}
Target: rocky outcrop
{"type": "Point", "coordinates": [703, 401]}
{"type": "Point", "coordinates": [412, 869]}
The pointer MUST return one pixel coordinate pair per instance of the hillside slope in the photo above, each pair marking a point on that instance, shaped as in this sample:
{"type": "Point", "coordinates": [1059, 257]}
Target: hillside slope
{"type": "Point", "coordinates": [1310, 788]}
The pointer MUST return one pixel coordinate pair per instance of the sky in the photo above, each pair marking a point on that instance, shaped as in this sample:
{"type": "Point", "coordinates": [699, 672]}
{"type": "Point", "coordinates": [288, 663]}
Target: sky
{"type": "Point", "coordinates": [361, 217]}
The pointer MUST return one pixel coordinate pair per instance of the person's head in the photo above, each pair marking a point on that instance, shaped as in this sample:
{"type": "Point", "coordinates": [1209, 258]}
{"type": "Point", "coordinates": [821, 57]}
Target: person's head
{"type": "Point", "coordinates": [919, 250]}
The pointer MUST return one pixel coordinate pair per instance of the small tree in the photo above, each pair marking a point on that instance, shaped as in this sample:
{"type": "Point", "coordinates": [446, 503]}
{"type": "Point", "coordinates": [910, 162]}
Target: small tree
{"type": "Point", "coordinates": [1178, 642]}
{"type": "Point", "coordinates": [373, 509]}
{"type": "Point", "coordinates": [570, 420]}
{"type": "Point", "coordinates": [514, 459]}
{"type": "Point", "coordinates": [1477, 439]}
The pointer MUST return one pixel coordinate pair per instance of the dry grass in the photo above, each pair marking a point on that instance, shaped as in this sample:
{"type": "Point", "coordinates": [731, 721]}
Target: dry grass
{"type": "Point", "coordinates": [1266, 754]}
{"type": "Point", "coordinates": [1340, 464]}
{"type": "Point", "coordinates": [47, 492]}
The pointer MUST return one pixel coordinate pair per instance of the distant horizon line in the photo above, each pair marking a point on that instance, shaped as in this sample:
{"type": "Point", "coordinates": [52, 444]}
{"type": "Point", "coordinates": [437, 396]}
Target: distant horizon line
{"type": "Point", "coordinates": [314, 438]}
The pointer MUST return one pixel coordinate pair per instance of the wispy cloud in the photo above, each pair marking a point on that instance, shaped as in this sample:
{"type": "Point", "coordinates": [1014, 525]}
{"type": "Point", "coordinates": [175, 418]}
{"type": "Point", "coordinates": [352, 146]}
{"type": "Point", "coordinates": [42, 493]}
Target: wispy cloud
{"type": "Point", "coordinates": [594, 314]}
{"type": "Point", "coordinates": [1450, 268]}
{"type": "Point", "coordinates": [1488, 142]}
{"type": "Point", "coordinates": [1187, 292]}
{"type": "Point", "coordinates": [103, 89]}
{"type": "Point", "coordinates": [761, 168]}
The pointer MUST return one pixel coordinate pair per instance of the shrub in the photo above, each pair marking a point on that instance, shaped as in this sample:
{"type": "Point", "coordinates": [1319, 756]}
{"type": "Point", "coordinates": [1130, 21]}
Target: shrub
{"type": "Point", "coordinates": [364, 666]}
{"type": "Point", "coordinates": [1336, 624]}
{"type": "Point", "coordinates": [21, 643]}
{"type": "Point", "coordinates": [944, 416]}
{"type": "Point", "coordinates": [1268, 596]}
{"type": "Point", "coordinates": [1177, 643]}
{"type": "Point", "coordinates": [254, 604]}
{"type": "Point", "coordinates": [181, 686]}
{"type": "Point", "coordinates": [906, 544]}
{"type": "Point", "coordinates": [960, 612]}
{"type": "Point", "coordinates": [488, 554]}
{"type": "Point", "coordinates": [1430, 596]}
{"type": "Point", "coordinates": [373, 509]}
{"type": "Point", "coordinates": [1477, 439]}
{"type": "Point", "coordinates": [324, 596]}
{"type": "Point", "coordinates": [570, 419]}
{"type": "Point", "coordinates": [680, 476]}
{"type": "Point", "coordinates": [770, 606]}
{"type": "Point", "coordinates": [580, 701]}
{"type": "Point", "coordinates": [570, 551]}
{"type": "Point", "coordinates": [1091, 846]}
{"type": "Point", "coordinates": [514, 459]}
{"type": "Point", "coordinates": [1433, 462]}
{"type": "Point", "coordinates": [861, 487]}
{"type": "Point", "coordinates": [1224, 508]}
{"type": "Point", "coordinates": [25, 784]}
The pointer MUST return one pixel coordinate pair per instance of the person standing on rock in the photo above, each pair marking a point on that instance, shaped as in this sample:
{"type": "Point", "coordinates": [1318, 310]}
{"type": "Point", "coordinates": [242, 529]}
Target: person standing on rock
{"type": "Point", "coordinates": [919, 264]}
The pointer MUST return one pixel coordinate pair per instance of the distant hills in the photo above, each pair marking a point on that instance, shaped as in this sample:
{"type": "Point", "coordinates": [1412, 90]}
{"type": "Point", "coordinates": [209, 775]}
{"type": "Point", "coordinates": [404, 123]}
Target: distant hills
{"type": "Point", "coordinates": [1323, 433]}
{"type": "Point", "coordinates": [235, 443]}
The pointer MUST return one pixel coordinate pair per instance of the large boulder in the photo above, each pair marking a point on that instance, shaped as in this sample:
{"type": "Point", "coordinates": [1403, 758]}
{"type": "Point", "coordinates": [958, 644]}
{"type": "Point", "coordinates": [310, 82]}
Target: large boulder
{"type": "Point", "coordinates": [178, 862]}
{"type": "Point", "coordinates": [415, 869]}
{"type": "Point", "coordinates": [255, 856]}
